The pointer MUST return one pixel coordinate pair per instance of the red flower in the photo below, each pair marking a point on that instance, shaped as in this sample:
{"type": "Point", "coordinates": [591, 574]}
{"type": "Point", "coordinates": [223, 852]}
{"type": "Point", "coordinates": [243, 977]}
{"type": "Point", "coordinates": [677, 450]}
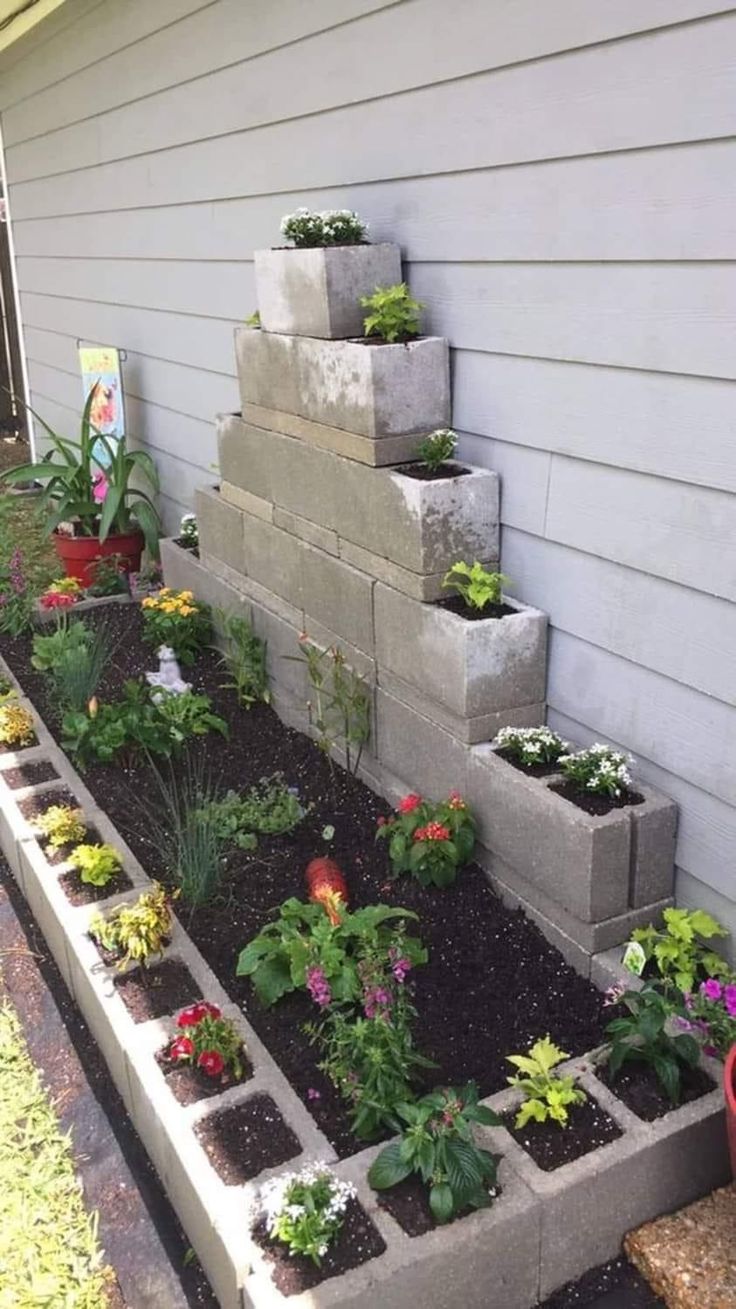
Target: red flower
{"type": "Point", "coordinates": [456, 801]}
{"type": "Point", "coordinates": [57, 600]}
{"type": "Point", "coordinates": [433, 832]}
{"type": "Point", "coordinates": [211, 1062]}
{"type": "Point", "coordinates": [409, 803]}
{"type": "Point", "coordinates": [194, 1014]}
{"type": "Point", "coordinates": [182, 1048]}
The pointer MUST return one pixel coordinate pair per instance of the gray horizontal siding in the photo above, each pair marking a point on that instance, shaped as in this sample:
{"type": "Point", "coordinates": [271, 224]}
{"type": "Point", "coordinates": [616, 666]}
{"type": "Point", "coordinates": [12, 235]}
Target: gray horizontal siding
{"type": "Point", "coordinates": [564, 190]}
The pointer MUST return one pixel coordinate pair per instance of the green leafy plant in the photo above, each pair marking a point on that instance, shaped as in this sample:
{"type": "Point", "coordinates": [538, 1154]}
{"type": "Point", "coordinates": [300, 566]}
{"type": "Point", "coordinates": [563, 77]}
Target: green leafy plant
{"type": "Point", "coordinates": [80, 667]}
{"type": "Point", "coordinates": [307, 228]}
{"type": "Point", "coordinates": [437, 1143]}
{"type": "Point", "coordinates": [642, 1036]}
{"type": "Point", "coordinates": [599, 769]}
{"type": "Point", "coordinates": [109, 577]}
{"type": "Point", "coordinates": [547, 1095]}
{"type": "Point", "coordinates": [176, 619]}
{"type": "Point", "coordinates": [253, 320]}
{"type": "Point", "coordinates": [89, 482]}
{"type": "Point", "coordinates": [305, 1210]}
{"type": "Point", "coordinates": [478, 587]}
{"type": "Point", "coordinates": [16, 723]}
{"type": "Point", "coordinates": [209, 1042]}
{"type": "Point", "coordinates": [340, 709]}
{"type": "Point", "coordinates": [16, 594]}
{"type": "Point", "coordinates": [96, 864]}
{"type": "Point", "coordinates": [124, 727]}
{"type": "Point", "coordinates": [394, 315]}
{"type": "Point", "coordinates": [430, 841]}
{"type": "Point", "coordinates": [68, 637]}
{"type": "Point", "coordinates": [287, 954]}
{"type": "Point", "coordinates": [61, 825]}
{"type": "Point", "coordinates": [710, 1015]}
{"type": "Point", "coordinates": [187, 714]}
{"type": "Point", "coordinates": [244, 657]}
{"type": "Point", "coordinates": [531, 745]}
{"type": "Point", "coordinates": [137, 932]}
{"type": "Point", "coordinates": [437, 448]}
{"type": "Point", "coordinates": [680, 949]}
{"type": "Point", "coordinates": [270, 808]}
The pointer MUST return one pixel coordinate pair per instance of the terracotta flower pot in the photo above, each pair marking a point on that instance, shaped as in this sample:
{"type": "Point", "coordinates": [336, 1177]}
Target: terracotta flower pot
{"type": "Point", "coordinates": [79, 554]}
{"type": "Point", "coordinates": [729, 1087]}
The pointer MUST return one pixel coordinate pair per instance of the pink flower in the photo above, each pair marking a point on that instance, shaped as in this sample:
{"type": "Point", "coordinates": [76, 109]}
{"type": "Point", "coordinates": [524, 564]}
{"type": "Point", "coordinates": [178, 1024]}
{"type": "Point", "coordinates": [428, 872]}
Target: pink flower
{"type": "Point", "coordinates": [400, 968]}
{"type": "Point", "coordinates": [57, 600]}
{"type": "Point", "coordinates": [100, 486]}
{"type": "Point", "coordinates": [318, 987]}
{"type": "Point", "coordinates": [456, 801]}
{"type": "Point", "coordinates": [432, 832]}
{"type": "Point", "coordinates": [729, 995]}
{"type": "Point", "coordinates": [182, 1048]}
{"type": "Point", "coordinates": [409, 803]}
{"type": "Point", "coordinates": [313, 1095]}
{"type": "Point", "coordinates": [194, 1014]}
{"type": "Point", "coordinates": [712, 988]}
{"type": "Point", "coordinates": [211, 1062]}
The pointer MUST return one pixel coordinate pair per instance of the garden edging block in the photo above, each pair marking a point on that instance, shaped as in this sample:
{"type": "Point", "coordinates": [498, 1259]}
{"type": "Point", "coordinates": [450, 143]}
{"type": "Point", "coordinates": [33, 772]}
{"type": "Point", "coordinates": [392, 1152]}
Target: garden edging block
{"type": "Point", "coordinates": [317, 291]}
{"type": "Point", "coordinates": [376, 390]}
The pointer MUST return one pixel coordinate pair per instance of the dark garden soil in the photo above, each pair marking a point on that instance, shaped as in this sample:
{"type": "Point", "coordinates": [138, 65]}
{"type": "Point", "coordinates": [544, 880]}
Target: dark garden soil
{"type": "Point", "coordinates": [596, 804]}
{"type": "Point", "coordinates": [492, 985]}
{"type": "Point", "coordinates": [189, 1084]}
{"type": "Point", "coordinates": [408, 1203]}
{"type": "Point", "coordinates": [242, 1141]}
{"type": "Point", "coordinates": [154, 992]}
{"type": "Point", "coordinates": [457, 605]}
{"type": "Point", "coordinates": [551, 1146]}
{"type": "Point", "coordinates": [641, 1091]}
{"type": "Point", "coordinates": [614, 1285]}
{"type": "Point", "coordinates": [531, 770]}
{"type": "Point", "coordinates": [445, 473]}
{"type": "Point", "coordinates": [356, 1243]}
{"type": "Point", "coordinates": [29, 774]}
{"type": "Point", "coordinates": [79, 892]}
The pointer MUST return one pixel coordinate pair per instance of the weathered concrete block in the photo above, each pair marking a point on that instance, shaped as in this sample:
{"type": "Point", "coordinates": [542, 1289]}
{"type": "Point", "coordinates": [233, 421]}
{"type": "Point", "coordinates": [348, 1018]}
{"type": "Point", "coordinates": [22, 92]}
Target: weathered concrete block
{"type": "Point", "coordinates": [353, 445]}
{"type": "Point", "coordinates": [316, 292]}
{"type": "Point", "coordinates": [468, 730]}
{"type": "Point", "coordinates": [322, 537]}
{"type": "Point", "coordinates": [252, 504]}
{"type": "Point", "coordinates": [220, 527]}
{"type": "Point", "coordinates": [416, 751]}
{"type": "Point", "coordinates": [472, 668]}
{"type": "Point", "coordinates": [653, 836]}
{"type": "Point", "coordinates": [376, 390]}
{"type": "Point", "coordinates": [338, 596]}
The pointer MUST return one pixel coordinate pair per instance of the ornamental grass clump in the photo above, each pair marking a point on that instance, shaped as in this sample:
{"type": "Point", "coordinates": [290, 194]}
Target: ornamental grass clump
{"type": "Point", "coordinates": [599, 769]}
{"type": "Point", "coordinates": [137, 932]}
{"type": "Point", "coordinates": [96, 864]}
{"type": "Point", "coordinates": [394, 314]}
{"type": "Point", "coordinates": [209, 1042]}
{"type": "Point", "coordinates": [309, 228]}
{"type": "Point", "coordinates": [530, 746]}
{"type": "Point", "coordinates": [16, 724]}
{"type": "Point", "coordinates": [176, 619]}
{"type": "Point", "coordinates": [305, 1210]}
{"type": "Point", "coordinates": [430, 841]}
{"type": "Point", "coordinates": [547, 1096]}
{"type": "Point", "coordinates": [62, 825]}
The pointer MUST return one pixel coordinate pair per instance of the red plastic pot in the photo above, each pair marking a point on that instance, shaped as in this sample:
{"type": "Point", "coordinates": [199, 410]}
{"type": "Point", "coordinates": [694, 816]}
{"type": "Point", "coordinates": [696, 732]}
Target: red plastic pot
{"type": "Point", "coordinates": [79, 554]}
{"type": "Point", "coordinates": [729, 1087]}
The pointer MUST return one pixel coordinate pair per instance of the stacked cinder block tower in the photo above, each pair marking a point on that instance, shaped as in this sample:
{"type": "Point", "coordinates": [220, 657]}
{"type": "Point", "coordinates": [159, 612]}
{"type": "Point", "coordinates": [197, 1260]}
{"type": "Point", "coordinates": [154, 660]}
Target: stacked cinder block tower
{"type": "Point", "coordinates": [320, 525]}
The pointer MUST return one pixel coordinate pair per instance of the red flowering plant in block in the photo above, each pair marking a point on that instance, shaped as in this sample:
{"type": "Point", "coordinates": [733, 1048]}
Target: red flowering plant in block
{"type": "Point", "coordinates": [429, 840]}
{"type": "Point", "coordinates": [208, 1041]}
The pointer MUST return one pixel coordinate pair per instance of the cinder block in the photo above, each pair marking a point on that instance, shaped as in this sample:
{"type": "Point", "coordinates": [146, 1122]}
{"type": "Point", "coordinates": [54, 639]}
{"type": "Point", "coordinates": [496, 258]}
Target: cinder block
{"type": "Point", "coordinates": [338, 596]}
{"type": "Point", "coordinates": [471, 668]}
{"type": "Point", "coordinates": [468, 730]}
{"type": "Point", "coordinates": [419, 586]}
{"type": "Point", "coordinates": [376, 390]}
{"type": "Point", "coordinates": [653, 835]}
{"type": "Point", "coordinates": [273, 558]}
{"type": "Point", "coordinates": [312, 533]}
{"type": "Point", "coordinates": [220, 528]}
{"type": "Point", "coordinates": [418, 752]}
{"type": "Point", "coordinates": [317, 292]}
{"type": "Point", "coordinates": [376, 453]}
{"type": "Point", "coordinates": [252, 504]}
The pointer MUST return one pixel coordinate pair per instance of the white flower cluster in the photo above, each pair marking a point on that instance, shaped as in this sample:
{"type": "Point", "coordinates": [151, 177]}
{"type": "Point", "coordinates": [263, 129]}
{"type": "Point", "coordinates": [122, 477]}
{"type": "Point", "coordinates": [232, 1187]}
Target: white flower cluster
{"type": "Point", "coordinates": [330, 227]}
{"type": "Point", "coordinates": [278, 1195]}
{"type": "Point", "coordinates": [188, 529]}
{"type": "Point", "coordinates": [532, 745]}
{"type": "Point", "coordinates": [599, 768]}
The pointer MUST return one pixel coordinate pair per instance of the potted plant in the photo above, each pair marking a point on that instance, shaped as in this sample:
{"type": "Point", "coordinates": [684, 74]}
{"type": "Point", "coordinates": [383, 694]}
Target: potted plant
{"type": "Point", "coordinates": [96, 512]}
{"type": "Point", "coordinates": [313, 287]}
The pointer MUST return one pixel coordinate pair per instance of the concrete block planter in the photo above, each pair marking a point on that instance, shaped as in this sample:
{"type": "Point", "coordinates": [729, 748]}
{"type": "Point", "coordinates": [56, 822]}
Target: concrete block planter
{"type": "Point", "coordinates": [594, 867]}
{"type": "Point", "coordinates": [476, 670]}
{"type": "Point", "coordinates": [374, 390]}
{"type": "Point", "coordinates": [353, 445]}
{"type": "Point", "coordinates": [316, 292]}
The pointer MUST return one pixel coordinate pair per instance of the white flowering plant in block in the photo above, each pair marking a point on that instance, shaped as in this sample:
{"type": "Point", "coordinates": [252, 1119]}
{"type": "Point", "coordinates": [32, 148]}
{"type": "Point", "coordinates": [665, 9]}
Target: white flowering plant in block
{"type": "Point", "coordinates": [306, 1209]}
{"type": "Point", "coordinates": [599, 769]}
{"type": "Point", "coordinates": [531, 745]}
{"type": "Point", "coordinates": [308, 228]}
{"type": "Point", "coordinates": [188, 531]}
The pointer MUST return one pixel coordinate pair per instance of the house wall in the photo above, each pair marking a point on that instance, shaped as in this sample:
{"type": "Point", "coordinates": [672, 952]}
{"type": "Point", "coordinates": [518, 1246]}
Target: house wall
{"type": "Point", "coordinates": [562, 182]}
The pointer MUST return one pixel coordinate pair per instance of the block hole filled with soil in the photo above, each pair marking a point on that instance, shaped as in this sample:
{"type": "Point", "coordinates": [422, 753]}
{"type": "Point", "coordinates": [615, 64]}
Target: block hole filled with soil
{"type": "Point", "coordinates": [243, 1140]}
{"type": "Point", "coordinates": [30, 774]}
{"type": "Point", "coordinates": [639, 1088]}
{"type": "Point", "coordinates": [356, 1243]}
{"type": "Point", "coordinates": [408, 1205]}
{"type": "Point", "coordinates": [551, 1145]}
{"type": "Point", "coordinates": [189, 1084]}
{"type": "Point", "coordinates": [155, 992]}
{"type": "Point", "coordinates": [78, 892]}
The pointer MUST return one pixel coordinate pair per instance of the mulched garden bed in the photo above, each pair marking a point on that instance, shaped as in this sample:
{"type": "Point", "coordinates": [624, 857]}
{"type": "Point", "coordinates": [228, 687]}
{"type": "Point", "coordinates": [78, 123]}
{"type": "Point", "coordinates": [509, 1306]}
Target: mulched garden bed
{"type": "Point", "coordinates": [155, 992]}
{"type": "Point", "coordinates": [189, 1084]}
{"type": "Point", "coordinates": [493, 984]}
{"type": "Point", "coordinates": [30, 774]}
{"type": "Point", "coordinates": [640, 1090]}
{"type": "Point", "coordinates": [552, 1146]}
{"type": "Point", "coordinates": [240, 1142]}
{"type": "Point", "coordinates": [596, 804]}
{"type": "Point", "coordinates": [356, 1243]}
{"type": "Point", "coordinates": [408, 1203]}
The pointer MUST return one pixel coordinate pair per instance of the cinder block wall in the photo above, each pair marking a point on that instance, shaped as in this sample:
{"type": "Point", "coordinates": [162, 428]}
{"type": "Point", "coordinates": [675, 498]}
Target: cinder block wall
{"type": "Point", "coordinates": [561, 182]}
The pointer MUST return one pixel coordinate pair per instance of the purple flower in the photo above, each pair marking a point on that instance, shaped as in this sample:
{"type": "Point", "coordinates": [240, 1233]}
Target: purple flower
{"type": "Point", "coordinates": [318, 987]}
{"type": "Point", "coordinates": [376, 1002]}
{"type": "Point", "coordinates": [17, 576]}
{"type": "Point", "coordinates": [312, 1094]}
{"type": "Point", "coordinates": [684, 1024]}
{"type": "Point", "coordinates": [613, 994]}
{"type": "Point", "coordinates": [400, 969]}
{"type": "Point", "coordinates": [711, 1050]}
{"type": "Point", "coordinates": [712, 988]}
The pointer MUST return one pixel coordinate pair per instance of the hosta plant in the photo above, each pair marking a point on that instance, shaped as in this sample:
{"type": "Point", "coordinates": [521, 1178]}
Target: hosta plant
{"type": "Point", "coordinates": [478, 587]}
{"type": "Point", "coordinates": [599, 769]}
{"type": "Point", "coordinates": [16, 724]}
{"type": "Point", "coordinates": [209, 1042]}
{"type": "Point", "coordinates": [308, 228]}
{"type": "Point", "coordinates": [438, 1144]}
{"type": "Point", "coordinates": [643, 1036]}
{"type": "Point", "coordinates": [61, 825]}
{"type": "Point", "coordinates": [710, 1015]}
{"type": "Point", "coordinates": [96, 864]}
{"type": "Point", "coordinates": [680, 950]}
{"type": "Point", "coordinates": [430, 841]}
{"type": "Point", "coordinates": [305, 1210]}
{"type": "Point", "coordinates": [437, 448]}
{"type": "Point", "coordinates": [176, 619]}
{"type": "Point", "coordinates": [394, 315]}
{"type": "Point", "coordinates": [546, 1094]}
{"type": "Point", "coordinates": [138, 932]}
{"type": "Point", "coordinates": [531, 745]}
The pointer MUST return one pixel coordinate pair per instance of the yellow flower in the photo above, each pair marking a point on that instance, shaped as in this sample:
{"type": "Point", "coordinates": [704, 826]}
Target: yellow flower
{"type": "Point", "coordinates": [148, 603]}
{"type": "Point", "coordinates": [165, 590]}
{"type": "Point", "coordinates": [186, 610]}
{"type": "Point", "coordinates": [168, 607]}
{"type": "Point", "coordinates": [186, 595]}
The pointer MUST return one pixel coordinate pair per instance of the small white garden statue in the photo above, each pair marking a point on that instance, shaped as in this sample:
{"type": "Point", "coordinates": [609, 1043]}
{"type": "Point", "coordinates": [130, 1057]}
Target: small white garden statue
{"type": "Point", "coordinates": [169, 676]}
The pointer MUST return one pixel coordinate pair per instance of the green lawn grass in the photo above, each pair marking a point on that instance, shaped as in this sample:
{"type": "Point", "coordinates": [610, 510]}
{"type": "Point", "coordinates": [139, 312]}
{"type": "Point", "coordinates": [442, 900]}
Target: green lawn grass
{"type": "Point", "coordinates": [50, 1257]}
{"type": "Point", "coordinates": [22, 525]}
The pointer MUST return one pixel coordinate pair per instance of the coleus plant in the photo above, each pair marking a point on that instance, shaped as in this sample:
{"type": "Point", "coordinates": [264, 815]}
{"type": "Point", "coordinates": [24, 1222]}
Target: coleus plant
{"type": "Point", "coordinates": [208, 1041]}
{"type": "Point", "coordinates": [680, 950]}
{"type": "Point", "coordinates": [546, 1094]}
{"type": "Point", "coordinates": [430, 841]}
